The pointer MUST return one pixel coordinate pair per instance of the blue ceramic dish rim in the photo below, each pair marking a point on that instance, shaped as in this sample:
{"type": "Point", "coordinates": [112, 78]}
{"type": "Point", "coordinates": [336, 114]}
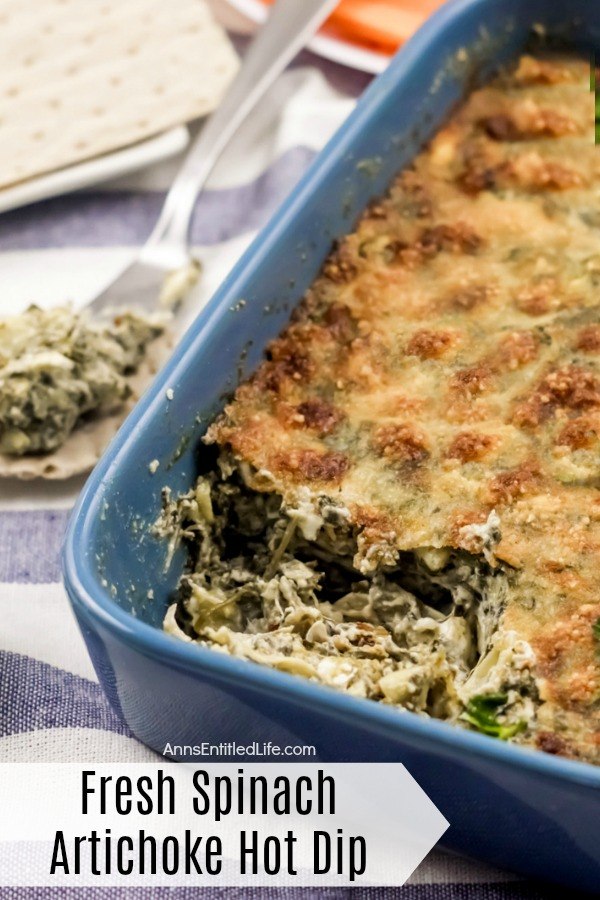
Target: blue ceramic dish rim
{"type": "Point", "coordinates": [87, 594]}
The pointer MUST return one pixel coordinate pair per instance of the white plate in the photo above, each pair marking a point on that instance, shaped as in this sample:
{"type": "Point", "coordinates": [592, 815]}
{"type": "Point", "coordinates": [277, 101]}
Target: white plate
{"type": "Point", "coordinates": [91, 171]}
{"type": "Point", "coordinates": [331, 48]}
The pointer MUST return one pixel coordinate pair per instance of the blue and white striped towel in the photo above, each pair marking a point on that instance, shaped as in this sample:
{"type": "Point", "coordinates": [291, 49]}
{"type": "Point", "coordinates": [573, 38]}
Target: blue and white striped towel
{"type": "Point", "coordinates": [51, 707]}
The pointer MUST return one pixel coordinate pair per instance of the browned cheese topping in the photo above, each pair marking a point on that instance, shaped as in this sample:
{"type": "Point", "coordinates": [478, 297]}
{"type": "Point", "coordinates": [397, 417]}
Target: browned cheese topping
{"type": "Point", "coordinates": [446, 363]}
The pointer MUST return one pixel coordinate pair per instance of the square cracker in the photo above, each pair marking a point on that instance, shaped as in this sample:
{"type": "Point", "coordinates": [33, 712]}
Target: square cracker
{"type": "Point", "coordinates": [83, 77]}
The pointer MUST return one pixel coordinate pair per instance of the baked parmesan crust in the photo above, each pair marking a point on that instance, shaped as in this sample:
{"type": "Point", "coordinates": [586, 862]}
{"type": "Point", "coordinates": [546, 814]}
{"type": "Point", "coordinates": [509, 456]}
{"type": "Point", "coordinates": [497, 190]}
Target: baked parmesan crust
{"type": "Point", "coordinates": [446, 364]}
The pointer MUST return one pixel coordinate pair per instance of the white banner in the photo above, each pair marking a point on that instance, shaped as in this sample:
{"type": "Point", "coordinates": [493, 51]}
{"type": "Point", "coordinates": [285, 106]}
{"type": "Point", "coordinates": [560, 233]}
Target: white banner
{"type": "Point", "coordinates": [254, 824]}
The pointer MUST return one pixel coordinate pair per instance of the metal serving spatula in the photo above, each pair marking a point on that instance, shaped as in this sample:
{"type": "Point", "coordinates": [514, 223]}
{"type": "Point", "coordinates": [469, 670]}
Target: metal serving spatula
{"type": "Point", "coordinates": [165, 263]}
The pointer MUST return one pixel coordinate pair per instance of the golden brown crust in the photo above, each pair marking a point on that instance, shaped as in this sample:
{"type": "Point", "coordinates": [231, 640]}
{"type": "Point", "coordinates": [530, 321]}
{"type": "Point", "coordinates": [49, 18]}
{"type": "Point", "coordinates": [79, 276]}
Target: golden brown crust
{"type": "Point", "coordinates": [447, 362]}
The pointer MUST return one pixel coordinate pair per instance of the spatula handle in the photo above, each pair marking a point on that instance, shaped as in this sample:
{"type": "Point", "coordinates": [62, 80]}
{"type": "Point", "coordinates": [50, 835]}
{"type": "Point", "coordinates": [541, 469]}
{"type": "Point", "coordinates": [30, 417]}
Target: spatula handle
{"type": "Point", "coordinates": [289, 25]}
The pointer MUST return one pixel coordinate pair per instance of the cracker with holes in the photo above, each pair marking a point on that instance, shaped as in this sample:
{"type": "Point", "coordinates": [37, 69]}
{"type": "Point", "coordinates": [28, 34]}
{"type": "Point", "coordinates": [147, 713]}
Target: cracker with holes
{"type": "Point", "coordinates": [80, 78]}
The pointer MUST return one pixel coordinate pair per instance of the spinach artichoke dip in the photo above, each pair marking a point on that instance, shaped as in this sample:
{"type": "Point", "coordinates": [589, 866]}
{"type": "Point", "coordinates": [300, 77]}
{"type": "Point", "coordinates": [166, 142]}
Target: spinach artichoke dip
{"type": "Point", "coordinates": [57, 365]}
{"type": "Point", "coordinates": [406, 499]}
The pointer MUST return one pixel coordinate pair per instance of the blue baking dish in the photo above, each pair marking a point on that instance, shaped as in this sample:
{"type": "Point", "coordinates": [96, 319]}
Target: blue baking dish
{"type": "Point", "coordinates": [512, 807]}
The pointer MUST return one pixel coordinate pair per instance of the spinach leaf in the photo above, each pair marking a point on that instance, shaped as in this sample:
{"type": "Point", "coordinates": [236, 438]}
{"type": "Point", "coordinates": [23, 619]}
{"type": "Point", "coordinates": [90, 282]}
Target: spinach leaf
{"type": "Point", "coordinates": [482, 713]}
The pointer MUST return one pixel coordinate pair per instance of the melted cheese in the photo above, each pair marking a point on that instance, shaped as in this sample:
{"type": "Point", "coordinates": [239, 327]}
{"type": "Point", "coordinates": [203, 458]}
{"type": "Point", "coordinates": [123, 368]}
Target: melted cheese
{"type": "Point", "coordinates": [442, 376]}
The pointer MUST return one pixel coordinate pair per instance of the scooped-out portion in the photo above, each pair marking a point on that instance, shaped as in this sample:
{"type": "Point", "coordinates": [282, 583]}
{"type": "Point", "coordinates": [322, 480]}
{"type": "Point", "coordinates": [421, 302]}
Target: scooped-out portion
{"type": "Point", "coordinates": [281, 585]}
{"type": "Point", "coordinates": [59, 367]}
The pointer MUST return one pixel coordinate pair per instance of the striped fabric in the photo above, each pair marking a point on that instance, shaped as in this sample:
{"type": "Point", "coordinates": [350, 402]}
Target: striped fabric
{"type": "Point", "coordinates": [52, 708]}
